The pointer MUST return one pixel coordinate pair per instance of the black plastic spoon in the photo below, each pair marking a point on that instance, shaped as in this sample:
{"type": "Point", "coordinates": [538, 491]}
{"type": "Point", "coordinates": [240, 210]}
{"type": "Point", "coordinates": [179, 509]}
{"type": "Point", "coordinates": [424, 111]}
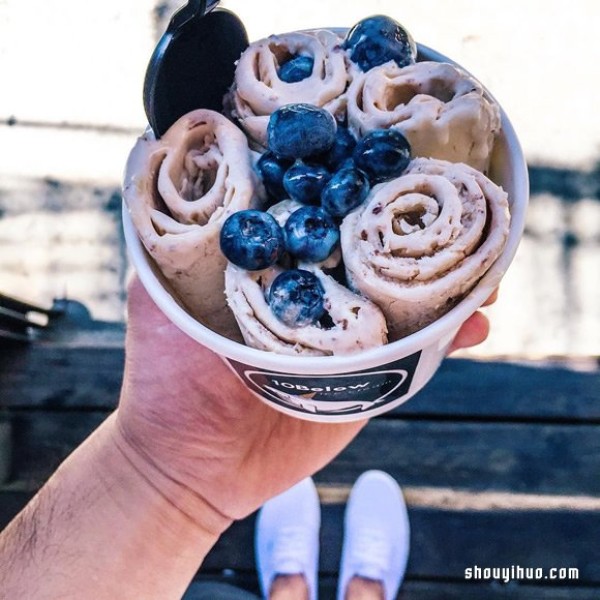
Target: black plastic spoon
{"type": "Point", "coordinates": [193, 63]}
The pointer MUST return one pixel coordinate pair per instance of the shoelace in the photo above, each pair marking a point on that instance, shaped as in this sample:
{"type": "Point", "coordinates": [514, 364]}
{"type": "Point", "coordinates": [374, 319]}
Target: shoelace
{"type": "Point", "coordinates": [290, 547]}
{"type": "Point", "coordinates": [371, 552]}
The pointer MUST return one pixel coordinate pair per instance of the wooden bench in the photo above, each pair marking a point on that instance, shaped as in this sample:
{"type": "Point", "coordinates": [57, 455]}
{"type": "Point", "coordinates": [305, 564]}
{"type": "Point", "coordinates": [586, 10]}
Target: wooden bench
{"type": "Point", "coordinates": [499, 462]}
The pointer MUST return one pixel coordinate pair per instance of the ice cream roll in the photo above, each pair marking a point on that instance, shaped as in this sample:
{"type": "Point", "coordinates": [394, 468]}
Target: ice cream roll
{"type": "Point", "coordinates": [179, 190]}
{"type": "Point", "coordinates": [443, 111]}
{"type": "Point", "coordinates": [421, 242]}
{"type": "Point", "coordinates": [260, 86]}
{"type": "Point", "coordinates": [351, 323]}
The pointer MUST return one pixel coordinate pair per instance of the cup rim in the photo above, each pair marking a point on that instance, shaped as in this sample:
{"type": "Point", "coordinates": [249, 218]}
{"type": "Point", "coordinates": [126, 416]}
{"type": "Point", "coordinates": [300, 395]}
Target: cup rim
{"type": "Point", "coordinates": [436, 332]}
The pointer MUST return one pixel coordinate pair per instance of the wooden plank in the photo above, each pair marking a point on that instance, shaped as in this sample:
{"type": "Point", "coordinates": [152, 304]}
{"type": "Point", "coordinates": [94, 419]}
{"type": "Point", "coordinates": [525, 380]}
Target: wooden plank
{"type": "Point", "coordinates": [499, 390]}
{"type": "Point", "coordinates": [87, 371]}
{"type": "Point", "coordinates": [418, 590]}
{"type": "Point", "coordinates": [11, 503]}
{"type": "Point", "coordinates": [10, 336]}
{"type": "Point", "coordinates": [554, 459]}
{"type": "Point", "coordinates": [527, 458]}
{"type": "Point", "coordinates": [474, 500]}
{"type": "Point", "coordinates": [445, 543]}
{"type": "Point", "coordinates": [53, 376]}
{"type": "Point", "coordinates": [434, 590]}
{"type": "Point", "coordinates": [43, 439]}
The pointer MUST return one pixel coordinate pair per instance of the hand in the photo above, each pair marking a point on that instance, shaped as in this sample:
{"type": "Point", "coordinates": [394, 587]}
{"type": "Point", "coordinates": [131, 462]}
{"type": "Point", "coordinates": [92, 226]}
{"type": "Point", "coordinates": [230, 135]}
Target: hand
{"type": "Point", "coordinates": [186, 414]}
{"type": "Point", "coordinates": [475, 329]}
{"type": "Point", "coordinates": [184, 410]}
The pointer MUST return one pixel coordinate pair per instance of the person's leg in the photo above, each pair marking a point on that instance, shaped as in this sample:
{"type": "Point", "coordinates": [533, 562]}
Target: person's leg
{"type": "Point", "coordinates": [360, 588]}
{"type": "Point", "coordinates": [376, 540]}
{"type": "Point", "coordinates": [289, 587]}
{"type": "Point", "coordinates": [287, 544]}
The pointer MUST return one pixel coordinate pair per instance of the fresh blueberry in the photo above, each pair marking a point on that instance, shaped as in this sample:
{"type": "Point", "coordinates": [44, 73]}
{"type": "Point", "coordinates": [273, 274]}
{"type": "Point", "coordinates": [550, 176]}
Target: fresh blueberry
{"type": "Point", "coordinates": [272, 170]}
{"type": "Point", "coordinates": [311, 234]}
{"type": "Point", "coordinates": [346, 190]}
{"type": "Point", "coordinates": [342, 148]}
{"type": "Point", "coordinates": [382, 154]}
{"type": "Point", "coordinates": [296, 69]}
{"type": "Point", "coordinates": [300, 131]}
{"type": "Point", "coordinates": [379, 39]}
{"type": "Point", "coordinates": [252, 239]}
{"type": "Point", "coordinates": [347, 164]}
{"type": "Point", "coordinates": [304, 182]}
{"type": "Point", "coordinates": [297, 298]}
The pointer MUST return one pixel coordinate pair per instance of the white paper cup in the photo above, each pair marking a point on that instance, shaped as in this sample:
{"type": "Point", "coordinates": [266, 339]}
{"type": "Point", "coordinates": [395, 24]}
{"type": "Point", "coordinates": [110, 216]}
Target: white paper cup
{"type": "Point", "coordinates": [369, 383]}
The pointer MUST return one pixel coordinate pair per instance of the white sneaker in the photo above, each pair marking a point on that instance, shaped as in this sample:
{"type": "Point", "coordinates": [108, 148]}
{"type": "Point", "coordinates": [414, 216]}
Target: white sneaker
{"type": "Point", "coordinates": [287, 537]}
{"type": "Point", "coordinates": [376, 534]}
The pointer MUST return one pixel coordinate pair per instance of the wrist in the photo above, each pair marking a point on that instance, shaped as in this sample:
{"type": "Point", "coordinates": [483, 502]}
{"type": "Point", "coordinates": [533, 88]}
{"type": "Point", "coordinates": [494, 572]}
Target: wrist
{"type": "Point", "coordinates": [159, 531]}
{"type": "Point", "coordinates": [128, 472]}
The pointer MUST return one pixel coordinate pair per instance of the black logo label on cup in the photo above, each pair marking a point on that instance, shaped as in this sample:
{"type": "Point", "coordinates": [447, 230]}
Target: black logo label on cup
{"type": "Point", "coordinates": [347, 393]}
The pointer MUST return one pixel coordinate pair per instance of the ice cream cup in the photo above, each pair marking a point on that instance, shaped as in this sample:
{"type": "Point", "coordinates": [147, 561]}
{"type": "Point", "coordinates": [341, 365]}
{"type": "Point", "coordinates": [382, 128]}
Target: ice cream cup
{"type": "Point", "coordinates": [365, 384]}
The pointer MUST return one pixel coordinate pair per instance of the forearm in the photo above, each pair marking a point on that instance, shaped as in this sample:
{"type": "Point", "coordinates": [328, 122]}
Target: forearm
{"type": "Point", "coordinates": [106, 526]}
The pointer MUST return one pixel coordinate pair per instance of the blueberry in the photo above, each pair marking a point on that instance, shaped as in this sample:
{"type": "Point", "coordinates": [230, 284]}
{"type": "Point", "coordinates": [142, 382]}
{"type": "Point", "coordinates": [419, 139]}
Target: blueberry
{"type": "Point", "coordinates": [379, 39]}
{"type": "Point", "coordinates": [300, 131]}
{"type": "Point", "coordinates": [304, 182]}
{"type": "Point", "coordinates": [342, 148]}
{"type": "Point", "coordinates": [346, 190]}
{"type": "Point", "coordinates": [311, 234]}
{"type": "Point", "coordinates": [296, 69]}
{"type": "Point", "coordinates": [252, 239]}
{"type": "Point", "coordinates": [272, 170]}
{"type": "Point", "coordinates": [297, 298]}
{"type": "Point", "coordinates": [382, 154]}
{"type": "Point", "coordinates": [347, 164]}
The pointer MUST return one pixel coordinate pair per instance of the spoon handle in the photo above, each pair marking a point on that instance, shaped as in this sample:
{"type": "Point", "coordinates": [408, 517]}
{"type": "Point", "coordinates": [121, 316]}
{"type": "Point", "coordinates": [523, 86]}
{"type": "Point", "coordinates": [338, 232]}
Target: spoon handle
{"type": "Point", "coordinates": [193, 9]}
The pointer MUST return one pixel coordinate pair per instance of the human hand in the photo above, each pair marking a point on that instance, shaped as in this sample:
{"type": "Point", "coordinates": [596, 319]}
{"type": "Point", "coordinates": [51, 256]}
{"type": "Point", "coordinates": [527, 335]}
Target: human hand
{"type": "Point", "coordinates": [475, 329]}
{"type": "Point", "coordinates": [186, 414]}
{"type": "Point", "coordinates": [184, 411]}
